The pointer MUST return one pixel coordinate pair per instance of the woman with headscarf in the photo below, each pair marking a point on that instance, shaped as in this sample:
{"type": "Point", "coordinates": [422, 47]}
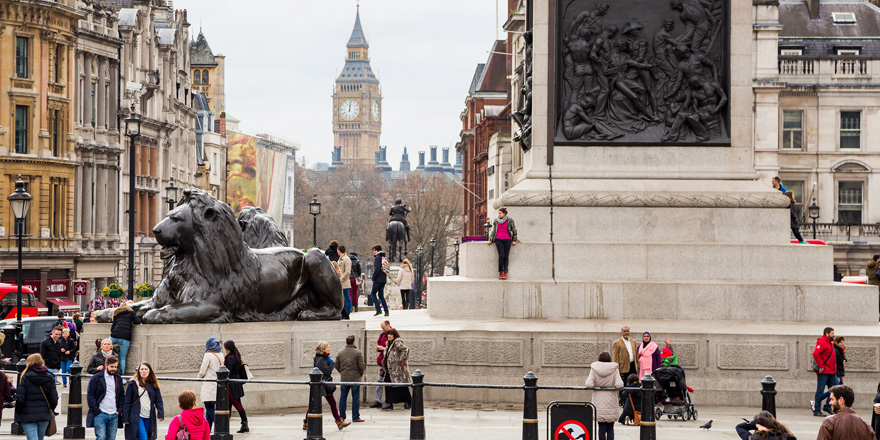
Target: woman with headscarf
{"type": "Point", "coordinates": [211, 362]}
{"type": "Point", "coordinates": [649, 356]}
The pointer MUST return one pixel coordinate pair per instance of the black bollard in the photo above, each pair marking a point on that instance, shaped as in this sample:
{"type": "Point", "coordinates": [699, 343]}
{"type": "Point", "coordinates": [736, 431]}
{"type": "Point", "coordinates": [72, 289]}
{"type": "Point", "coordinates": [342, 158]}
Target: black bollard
{"type": "Point", "coordinates": [315, 428]}
{"type": "Point", "coordinates": [768, 395]}
{"type": "Point", "coordinates": [221, 414]}
{"type": "Point", "coordinates": [75, 429]}
{"type": "Point", "coordinates": [417, 416]}
{"type": "Point", "coordinates": [20, 366]}
{"type": "Point", "coordinates": [530, 407]}
{"type": "Point", "coordinates": [648, 427]}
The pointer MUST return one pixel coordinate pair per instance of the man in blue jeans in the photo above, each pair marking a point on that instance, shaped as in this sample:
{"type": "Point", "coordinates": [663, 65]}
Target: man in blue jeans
{"type": "Point", "coordinates": [826, 360]}
{"type": "Point", "coordinates": [104, 396]}
{"type": "Point", "coordinates": [352, 366]}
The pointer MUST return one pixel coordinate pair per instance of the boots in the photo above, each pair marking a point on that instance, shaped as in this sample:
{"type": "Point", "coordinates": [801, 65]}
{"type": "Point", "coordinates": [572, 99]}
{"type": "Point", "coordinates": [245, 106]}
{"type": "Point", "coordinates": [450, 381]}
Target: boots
{"type": "Point", "coordinates": [244, 423]}
{"type": "Point", "coordinates": [342, 424]}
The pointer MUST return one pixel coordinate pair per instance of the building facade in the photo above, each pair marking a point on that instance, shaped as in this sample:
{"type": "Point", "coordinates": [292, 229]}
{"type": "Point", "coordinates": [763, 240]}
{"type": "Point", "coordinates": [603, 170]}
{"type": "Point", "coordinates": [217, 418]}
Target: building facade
{"type": "Point", "coordinates": [38, 81]}
{"type": "Point", "coordinates": [357, 103]}
{"type": "Point", "coordinates": [817, 106]}
{"type": "Point", "coordinates": [208, 74]}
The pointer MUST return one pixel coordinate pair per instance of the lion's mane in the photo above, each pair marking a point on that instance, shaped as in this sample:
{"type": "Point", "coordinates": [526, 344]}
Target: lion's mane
{"type": "Point", "coordinates": [259, 229]}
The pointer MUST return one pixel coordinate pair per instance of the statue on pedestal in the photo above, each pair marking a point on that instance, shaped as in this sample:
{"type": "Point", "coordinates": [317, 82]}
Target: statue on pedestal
{"type": "Point", "coordinates": [397, 231]}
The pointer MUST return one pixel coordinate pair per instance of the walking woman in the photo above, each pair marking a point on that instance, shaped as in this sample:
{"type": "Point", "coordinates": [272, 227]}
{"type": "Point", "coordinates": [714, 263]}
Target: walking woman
{"type": "Point", "coordinates": [649, 356]}
{"type": "Point", "coordinates": [325, 363]}
{"type": "Point", "coordinates": [503, 235]}
{"type": "Point", "coordinates": [67, 343]}
{"type": "Point", "coordinates": [405, 282]}
{"type": "Point", "coordinates": [232, 361]}
{"type": "Point", "coordinates": [124, 320]}
{"type": "Point", "coordinates": [605, 374]}
{"type": "Point", "coordinates": [210, 364]}
{"type": "Point", "coordinates": [142, 405]}
{"type": "Point", "coordinates": [192, 418]}
{"type": "Point", "coordinates": [396, 371]}
{"type": "Point", "coordinates": [35, 398]}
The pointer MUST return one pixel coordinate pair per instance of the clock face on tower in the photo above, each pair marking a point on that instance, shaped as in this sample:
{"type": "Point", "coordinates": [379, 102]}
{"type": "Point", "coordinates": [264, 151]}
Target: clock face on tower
{"type": "Point", "coordinates": [349, 109]}
{"type": "Point", "coordinates": [374, 111]}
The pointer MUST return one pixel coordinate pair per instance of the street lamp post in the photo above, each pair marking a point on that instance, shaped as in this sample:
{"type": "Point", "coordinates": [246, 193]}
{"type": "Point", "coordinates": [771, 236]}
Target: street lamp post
{"type": "Point", "coordinates": [433, 245]}
{"type": "Point", "coordinates": [132, 131]}
{"type": "Point", "coordinates": [171, 194]}
{"type": "Point", "coordinates": [315, 211]}
{"type": "Point", "coordinates": [814, 214]}
{"type": "Point", "coordinates": [455, 246]}
{"type": "Point", "coordinates": [488, 228]}
{"type": "Point", "coordinates": [20, 201]}
{"type": "Point", "coordinates": [419, 251]}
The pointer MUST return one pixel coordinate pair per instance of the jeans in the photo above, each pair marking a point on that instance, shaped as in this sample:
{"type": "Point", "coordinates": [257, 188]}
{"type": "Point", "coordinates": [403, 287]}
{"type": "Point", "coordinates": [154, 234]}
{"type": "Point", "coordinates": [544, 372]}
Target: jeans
{"type": "Point", "coordinates": [377, 294]}
{"type": "Point", "coordinates": [797, 234]}
{"type": "Point", "coordinates": [143, 429]}
{"type": "Point", "coordinates": [35, 430]}
{"type": "Point", "coordinates": [606, 431]}
{"type": "Point", "coordinates": [123, 352]}
{"type": "Point", "coordinates": [355, 401]}
{"type": "Point", "coordinates": [65, 368]}
{"type": "Point", "coordinates": [210, 407]}
{"type": "Point", "coordinates": [106, 426]}
{"type": "Point", "coordinates": [822, 381]}
{"type": "Point", "coordinates": [379, 389]}
{"type": "Point", "coordinates": [503, 245]}
{"type": "Point", "coordinates": [55, 371]}
{"type": "Point", "coordinates": [346, 294]}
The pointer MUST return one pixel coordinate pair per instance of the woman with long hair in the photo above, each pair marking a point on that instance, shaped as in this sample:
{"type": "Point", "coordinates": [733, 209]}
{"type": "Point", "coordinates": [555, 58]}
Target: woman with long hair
{"type": "Point", "coordinates": [504, 236]}
{"type": "Point", "coordinates": [105, 350]}
{"type": "Point", "coordinates": [396, 371]}
{"type": "Point", "coordinates": [405, 281]}
{"type": "Point", "coordinates": [839, 344]}
{"type": "Point", "coordinates": [124, 320]}
{"type": "Point", "coordinates": [233, 362]}
{"type": "Point", "coordinates": [210, 364]}
{"type": "Point", "coordinates": [35, 398]}
{"type": "Point", "coordinates": [142, 405]}
{"type": "Point", "coordinates": [325, 363]}
{"type": "Point", "coordinates": [765, 427]}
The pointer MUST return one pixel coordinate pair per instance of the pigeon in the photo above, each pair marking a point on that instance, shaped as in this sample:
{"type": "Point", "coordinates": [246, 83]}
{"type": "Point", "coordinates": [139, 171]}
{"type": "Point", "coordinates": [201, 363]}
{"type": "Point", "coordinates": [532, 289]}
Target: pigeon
{"type": "Point", "coordinates": [707, 425]}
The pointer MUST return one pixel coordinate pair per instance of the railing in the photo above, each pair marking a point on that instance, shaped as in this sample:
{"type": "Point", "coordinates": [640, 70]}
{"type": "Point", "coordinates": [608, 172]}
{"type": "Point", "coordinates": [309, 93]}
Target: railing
{"type": "Point", "coordinates": [841, 231]}
{"type": "Point", "coordinates": [826, 69]}
{"type": "Point", "coordinates": [75, 430]}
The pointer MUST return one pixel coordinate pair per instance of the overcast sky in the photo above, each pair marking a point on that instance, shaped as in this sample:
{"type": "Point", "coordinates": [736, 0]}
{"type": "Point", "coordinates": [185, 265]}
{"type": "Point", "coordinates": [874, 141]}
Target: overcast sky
{"type": "Point", "coordinates": [282, 58]}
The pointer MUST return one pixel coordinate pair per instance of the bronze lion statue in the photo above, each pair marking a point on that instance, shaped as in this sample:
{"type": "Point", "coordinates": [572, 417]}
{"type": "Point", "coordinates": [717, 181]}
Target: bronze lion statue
{"type": "Point", "coordinates": [212, 275]}
{"type": "Point", "coordinates": [259, 229]}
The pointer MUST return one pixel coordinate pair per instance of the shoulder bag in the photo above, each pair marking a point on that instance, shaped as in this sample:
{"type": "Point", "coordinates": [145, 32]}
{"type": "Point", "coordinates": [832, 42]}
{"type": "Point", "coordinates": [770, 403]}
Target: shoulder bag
{"type": "Point", "coordinates": [52, 428]}
{"type": "Point", "coordinates": [247, 371]}
{"type": "Point", "coordinates": [816, 367]}
{"type": "Point", "coordinates": [637, 415]}
{"type": "Point", "coordinates": [182, 430]}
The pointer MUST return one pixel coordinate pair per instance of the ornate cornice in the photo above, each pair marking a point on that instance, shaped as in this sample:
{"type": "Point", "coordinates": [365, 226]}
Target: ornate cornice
{"type": "Point", "coordinates": [603, 199]}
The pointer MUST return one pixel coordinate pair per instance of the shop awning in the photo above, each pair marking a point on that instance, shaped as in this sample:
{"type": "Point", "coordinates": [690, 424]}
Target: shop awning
{"type": "Point", "coordinates": [64, 304]}
{"type": "Point", "coordinates": [41, 308]}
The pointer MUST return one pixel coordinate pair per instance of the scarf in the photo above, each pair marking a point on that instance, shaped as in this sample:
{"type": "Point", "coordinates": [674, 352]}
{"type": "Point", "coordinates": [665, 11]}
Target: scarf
{"type": "Point", "coordinates": [502, 220]}
{"type": "Point", "coordinates": [645, 344]}
{"type": "Point", "coordinates": [213, 344]}
{"type": "Point", "coordinates": [106, 353]}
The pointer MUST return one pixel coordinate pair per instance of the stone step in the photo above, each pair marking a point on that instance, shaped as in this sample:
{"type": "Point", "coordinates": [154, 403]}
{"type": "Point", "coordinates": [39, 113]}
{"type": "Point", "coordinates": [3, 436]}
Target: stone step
{"type": "Point", "coordinates": [651, 261]}
{"type": "Point", "coordinates": [462, 297]}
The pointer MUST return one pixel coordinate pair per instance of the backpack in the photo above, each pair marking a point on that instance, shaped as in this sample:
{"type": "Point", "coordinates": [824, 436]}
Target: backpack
{"type": "Point", "coordinates": [182, 430]}
{"type": "Point", "coordinates": [386, 268]}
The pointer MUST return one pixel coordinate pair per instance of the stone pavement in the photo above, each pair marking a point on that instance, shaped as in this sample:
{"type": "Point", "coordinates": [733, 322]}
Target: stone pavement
{"type": "Point", "coordinates": [449, 423]}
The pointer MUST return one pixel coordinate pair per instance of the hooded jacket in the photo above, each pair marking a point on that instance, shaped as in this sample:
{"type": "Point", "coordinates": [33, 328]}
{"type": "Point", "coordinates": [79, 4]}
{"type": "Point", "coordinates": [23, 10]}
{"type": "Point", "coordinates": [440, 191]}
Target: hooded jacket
{"type": "Point", "coordinates": [332, 252]}
{"type": "Point", "coordinates": [378, 275]}
{"type": "Point", "coordinates": [824, 356]}
{"type": "Point", "coordinates": [30, 405]}
{"type": "Point", "coordinates": [195, 422]}
{"type": "Point", "coordinates": [605, 375]}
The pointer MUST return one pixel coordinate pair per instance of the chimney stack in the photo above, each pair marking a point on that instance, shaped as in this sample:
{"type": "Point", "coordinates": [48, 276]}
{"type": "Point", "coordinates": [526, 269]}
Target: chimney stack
{"type": "Point", "coordinates": [813, 5]}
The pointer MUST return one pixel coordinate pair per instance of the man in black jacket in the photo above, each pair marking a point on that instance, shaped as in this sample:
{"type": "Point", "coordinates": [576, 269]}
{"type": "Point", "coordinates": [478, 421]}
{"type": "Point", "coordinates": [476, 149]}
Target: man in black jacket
{"type": "Point", "coordinates": [50, 350]}
{"type": "Point", "coordinates": [356, 275]}
{"type": "Point", "coordinates": [377, 294]}
{"type": "Point", "coordinates": [104, 396]}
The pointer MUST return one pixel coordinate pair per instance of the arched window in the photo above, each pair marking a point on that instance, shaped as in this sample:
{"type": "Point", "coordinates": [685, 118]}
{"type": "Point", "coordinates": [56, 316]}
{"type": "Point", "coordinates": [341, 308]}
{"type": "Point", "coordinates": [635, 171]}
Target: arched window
{"type": "Point", "coordinates": [204, 77]}
{"type": "Point", "coordinates": [196, 77]}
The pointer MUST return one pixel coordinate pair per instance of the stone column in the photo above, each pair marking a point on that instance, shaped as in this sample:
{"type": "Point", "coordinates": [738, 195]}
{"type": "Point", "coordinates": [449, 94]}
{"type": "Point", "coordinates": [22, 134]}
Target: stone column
{"type": "Point", "coordinates": [102, 67]}
{"type": "Point", "coordinates": [74, 76]}
{"type": "Point", "coordinates": [101, 196]}
{"type": "Point", "coordinates": [87, 179]}
{"type": "Point", "coordinates": [113, 200]}
{"type": "Point", "coordinates": [145, 213]}
{"type": "Point", "coordinates": [77, 201]}
{"type": "Point", "coordinates": [114, 84]}
{"type": "Point", "coordinates": [44, 284]}
{"type": "Point", "coordinates": [87, 90]}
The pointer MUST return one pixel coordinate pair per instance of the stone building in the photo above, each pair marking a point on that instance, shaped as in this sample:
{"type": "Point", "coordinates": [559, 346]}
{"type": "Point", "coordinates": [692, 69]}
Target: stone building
{"type": "Point", "coordinates": [38, 82]}
{"type": "Point", "coordinates": [357, 103]}
{"type": "Point", "coordinates": [816, 118]}
{"type": "Point", "coordinates": [208, 73]}
{"type": "Point", "coordinates": [487, 111]}
{"type": "Point", "coordinates": [210, 149]}
{"type": "Point", "coordinates": [98, 147]}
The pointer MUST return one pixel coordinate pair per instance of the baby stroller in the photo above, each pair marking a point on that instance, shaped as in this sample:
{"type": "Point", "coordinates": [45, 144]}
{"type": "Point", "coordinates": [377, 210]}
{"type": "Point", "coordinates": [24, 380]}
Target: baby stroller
{"type": "Point", "coordinates": [673, 399]}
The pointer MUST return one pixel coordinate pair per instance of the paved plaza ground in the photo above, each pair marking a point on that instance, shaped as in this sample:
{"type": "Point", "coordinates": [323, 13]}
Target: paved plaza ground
{"type": "Point", "coordinates": [467, 423]}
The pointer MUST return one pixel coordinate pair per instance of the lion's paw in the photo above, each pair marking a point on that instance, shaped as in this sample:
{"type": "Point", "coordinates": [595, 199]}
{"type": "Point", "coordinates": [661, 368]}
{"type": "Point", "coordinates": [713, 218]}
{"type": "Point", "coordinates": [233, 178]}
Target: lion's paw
{"type": "Point", "coordinates": [307, 315]}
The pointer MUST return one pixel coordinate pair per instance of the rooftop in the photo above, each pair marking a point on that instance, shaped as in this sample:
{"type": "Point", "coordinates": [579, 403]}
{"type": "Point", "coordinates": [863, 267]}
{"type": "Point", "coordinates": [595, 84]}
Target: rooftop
{"type": "Point", "coordinates": [200, 53]}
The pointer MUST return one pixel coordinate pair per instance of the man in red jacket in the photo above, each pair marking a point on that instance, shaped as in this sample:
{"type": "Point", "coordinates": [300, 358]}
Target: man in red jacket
{"type": "Point", "coordinates": [380, 348]}
{"type": "Point", "coordinates": [825, 358]}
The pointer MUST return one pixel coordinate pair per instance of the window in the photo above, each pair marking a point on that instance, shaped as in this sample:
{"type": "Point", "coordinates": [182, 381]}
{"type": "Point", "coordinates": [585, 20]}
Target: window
{"type": "Point", "coordinates": [843, 17]}
{"type": "Point", "coordinates": [205, 77]}
{"type": "Point", "coordinates": [21, 57]}
{"type": "Point", "coordinates": [56, 124]}
{"type": "Point", "coordinates": [21, 129]}
{"type": "Point", "coordinates": [792, 129]}
{"type": "Point", "coordinates": [94, 103]}
{"type": "Point", "coordinates": [789, 52]}
{"type": "Point", "coordinates": [197, 77]}
{"type": "Point", "coordinates": [797, 188]}
{"type": "Point", "coordinates": [57, 64]}
{"type": "Point", "coordinates": [849, 203]}
{"type": "Point", "coordinates": [848, 51]}
{"type": "Point", "coordinates": [850, 129]}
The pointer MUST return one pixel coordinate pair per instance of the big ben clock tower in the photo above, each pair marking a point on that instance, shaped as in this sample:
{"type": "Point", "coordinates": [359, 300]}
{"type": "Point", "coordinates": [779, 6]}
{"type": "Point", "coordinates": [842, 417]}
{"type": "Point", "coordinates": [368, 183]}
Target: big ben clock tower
{"type": "Point", "coordinates": [357, 103]}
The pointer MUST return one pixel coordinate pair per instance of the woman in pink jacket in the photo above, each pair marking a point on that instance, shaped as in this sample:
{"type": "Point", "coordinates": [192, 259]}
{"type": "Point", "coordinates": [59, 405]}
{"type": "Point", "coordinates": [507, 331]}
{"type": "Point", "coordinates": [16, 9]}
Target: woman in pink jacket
{"type": "Point", "coordinates": [192, 418]}
{"type": "Point", "coordinates": [649, 356]}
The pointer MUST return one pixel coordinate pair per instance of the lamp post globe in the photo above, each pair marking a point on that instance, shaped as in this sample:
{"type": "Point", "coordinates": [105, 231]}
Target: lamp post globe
{"type": "Point", "coordinates": [20, 201]}
{"type": "Point", "coordinates": [171, 194]}
{"type": "Point", "coordinates": [813, 210]}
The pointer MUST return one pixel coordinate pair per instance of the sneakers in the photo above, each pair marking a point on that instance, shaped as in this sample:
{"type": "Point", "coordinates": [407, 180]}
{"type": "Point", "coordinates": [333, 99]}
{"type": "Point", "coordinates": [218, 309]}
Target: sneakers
{"type": "Point", "coordinates": [803, 242]}
{"type": "Point", "coordinates": [377, 313]}
{"type": "Point", "coordinates": [376, 405]}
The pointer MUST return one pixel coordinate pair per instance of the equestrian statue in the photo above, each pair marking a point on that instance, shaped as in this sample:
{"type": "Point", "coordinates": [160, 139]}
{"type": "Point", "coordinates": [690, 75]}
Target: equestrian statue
{"type": "Point", "coordinates": [397, 231]}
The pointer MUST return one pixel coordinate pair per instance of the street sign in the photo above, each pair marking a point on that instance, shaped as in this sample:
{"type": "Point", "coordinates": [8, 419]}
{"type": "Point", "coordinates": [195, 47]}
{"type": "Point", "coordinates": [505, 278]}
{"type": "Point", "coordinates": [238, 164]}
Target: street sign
{"type": "Point", "coordinates": [571, 420]}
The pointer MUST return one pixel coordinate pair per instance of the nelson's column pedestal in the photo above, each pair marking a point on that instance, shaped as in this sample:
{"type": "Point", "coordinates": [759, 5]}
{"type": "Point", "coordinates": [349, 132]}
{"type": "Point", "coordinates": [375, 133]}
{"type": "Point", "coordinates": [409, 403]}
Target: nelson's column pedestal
{"type": "Point", "coordinates": [639, 204]}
